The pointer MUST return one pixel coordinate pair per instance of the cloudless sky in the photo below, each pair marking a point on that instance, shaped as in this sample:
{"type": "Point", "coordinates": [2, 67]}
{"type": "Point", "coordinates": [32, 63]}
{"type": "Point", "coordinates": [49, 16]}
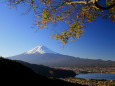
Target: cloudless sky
{"type": "Point", "coordinates": [17, 36]}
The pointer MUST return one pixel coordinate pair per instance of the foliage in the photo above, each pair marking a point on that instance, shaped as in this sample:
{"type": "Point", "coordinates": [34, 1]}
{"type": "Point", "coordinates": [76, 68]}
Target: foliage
{"type": "Point", "coordinates": [76, 13]}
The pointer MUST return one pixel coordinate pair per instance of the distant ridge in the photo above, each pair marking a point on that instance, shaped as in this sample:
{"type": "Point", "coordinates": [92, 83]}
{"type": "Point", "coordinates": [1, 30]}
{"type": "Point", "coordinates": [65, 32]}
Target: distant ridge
{"type": "Point", "coordinates": [43, 55]}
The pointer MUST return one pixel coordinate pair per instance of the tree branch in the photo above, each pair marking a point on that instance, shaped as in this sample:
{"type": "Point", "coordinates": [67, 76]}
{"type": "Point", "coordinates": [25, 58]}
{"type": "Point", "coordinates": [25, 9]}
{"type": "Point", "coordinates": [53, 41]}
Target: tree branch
{"type": "Point", "coordinates": [91, 1]}
{"type": "Point", "coordinates": [57, 7]}
{"type": "Point", "coordinates": [74, 2]}
{"type": "Point", "coordinates": [104, 8]}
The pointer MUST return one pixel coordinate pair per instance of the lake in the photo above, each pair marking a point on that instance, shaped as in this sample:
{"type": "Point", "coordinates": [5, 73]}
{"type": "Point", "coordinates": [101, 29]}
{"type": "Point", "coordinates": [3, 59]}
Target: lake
{"type": "Point", "coordinates": [106, 76]}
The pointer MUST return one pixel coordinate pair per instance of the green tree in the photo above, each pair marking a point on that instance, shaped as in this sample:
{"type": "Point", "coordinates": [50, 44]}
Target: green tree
{"type": "Point", "coordinates": [75, 13]}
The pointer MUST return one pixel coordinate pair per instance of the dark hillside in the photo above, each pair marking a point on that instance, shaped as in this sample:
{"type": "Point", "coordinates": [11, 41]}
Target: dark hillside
{"type": "Point", "coordinates": [14, 73]}
{"type": "Point", "coordinates": [48, 71]}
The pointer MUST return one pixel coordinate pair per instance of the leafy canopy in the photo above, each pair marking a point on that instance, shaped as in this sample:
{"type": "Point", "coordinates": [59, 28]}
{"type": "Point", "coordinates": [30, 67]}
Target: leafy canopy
{"type": "Point", "coordinates": [75, 13]}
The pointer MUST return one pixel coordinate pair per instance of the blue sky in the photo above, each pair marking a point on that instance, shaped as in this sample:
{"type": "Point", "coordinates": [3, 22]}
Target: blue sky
{"type": "Point", "coordinates": [18, 36]}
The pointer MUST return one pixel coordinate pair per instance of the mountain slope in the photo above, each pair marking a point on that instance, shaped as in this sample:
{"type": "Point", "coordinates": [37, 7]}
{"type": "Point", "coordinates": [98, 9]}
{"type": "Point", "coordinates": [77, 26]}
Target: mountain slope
{"type": "Point", "coordinates": [45, 56]}
{"type": "Point", "coordinates": [49, 72]}
{"type": "Point", "coordinates": [58, 60]}
{"type": "Point", "coordinates": [14, 73]}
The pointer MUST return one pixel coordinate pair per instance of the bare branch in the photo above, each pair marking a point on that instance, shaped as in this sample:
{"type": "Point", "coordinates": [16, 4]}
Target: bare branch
{"type": "Point", "coordinates": [58, 7]}
{"type": "Point", "coordinates": [74, 2]}
{"type": "Point", "coordinates": [104, 8]}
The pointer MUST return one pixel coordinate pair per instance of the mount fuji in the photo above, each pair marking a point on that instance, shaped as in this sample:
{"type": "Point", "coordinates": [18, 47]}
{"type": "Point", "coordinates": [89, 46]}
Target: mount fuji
{"type": "Point", "coordinates": [42, 55]}
{"type": "Point", "coordinates": [40, 50]}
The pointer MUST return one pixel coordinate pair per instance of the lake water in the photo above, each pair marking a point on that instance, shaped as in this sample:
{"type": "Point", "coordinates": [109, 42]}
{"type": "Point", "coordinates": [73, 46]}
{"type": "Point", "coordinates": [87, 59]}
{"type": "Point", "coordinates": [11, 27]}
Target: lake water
{"type": "Point", "coordinates": [106, 76]}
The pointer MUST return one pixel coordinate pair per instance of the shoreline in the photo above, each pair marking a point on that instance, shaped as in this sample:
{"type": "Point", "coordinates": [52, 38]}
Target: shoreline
{"type": "Point", "coordinates": [96, 72]}
{"type": "Point", "coordinates": [91, 82]}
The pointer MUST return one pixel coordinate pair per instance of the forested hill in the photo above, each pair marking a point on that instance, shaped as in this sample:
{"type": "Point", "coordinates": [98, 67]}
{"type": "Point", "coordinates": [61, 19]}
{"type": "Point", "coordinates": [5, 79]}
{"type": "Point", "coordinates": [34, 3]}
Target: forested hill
{"type": "Point", "coordinates": [48, 71]}
{"type": "Point", "coordinates": [14, 73]}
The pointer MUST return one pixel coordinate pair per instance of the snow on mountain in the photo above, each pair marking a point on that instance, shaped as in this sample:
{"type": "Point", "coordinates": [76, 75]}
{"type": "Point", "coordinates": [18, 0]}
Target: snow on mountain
{"type": "Point", "coordinates": [40, 50]}
{"type": "Point", "coordinates": [45, 56]}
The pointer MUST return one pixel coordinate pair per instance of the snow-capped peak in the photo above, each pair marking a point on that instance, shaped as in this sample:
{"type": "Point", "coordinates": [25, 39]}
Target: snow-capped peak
{"type": "Point", "coordinates": [40, 50]}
